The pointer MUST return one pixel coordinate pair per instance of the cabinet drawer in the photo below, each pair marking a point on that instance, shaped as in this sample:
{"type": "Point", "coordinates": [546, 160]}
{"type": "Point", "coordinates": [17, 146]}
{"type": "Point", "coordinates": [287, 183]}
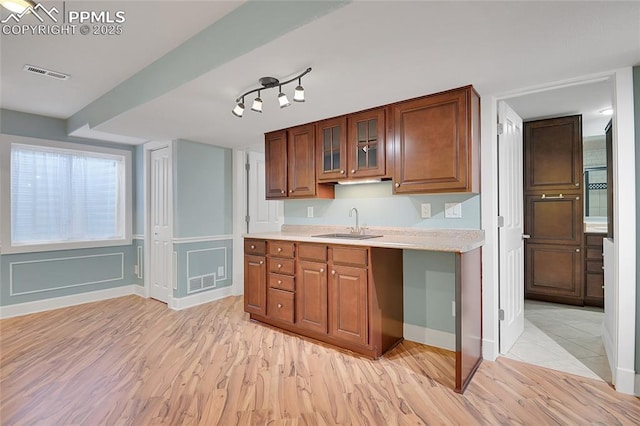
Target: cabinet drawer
{"type": "Point", "coordinates": [254, 247]}
{"type": "Point", "coordinates": [595, 240]}
{"type": "Point", "coordinates": [283, 282]}
{"type": "Point", "coordinates": [594, 286]}
{"type": "Point", "coordinates": [594, 253]}
{"type": "Point", "coordinates": [594, 266]}
{"type": "Point", "coordinates": [351, 256]}
{"type": "Point", "coordinates": [312, 252]}
{"type": "Point", "coordinates": [282, 248]}
{"type": "Point", "coordinates": [281, 266]}
{"type": "Point", "coordinates": [280, 305]}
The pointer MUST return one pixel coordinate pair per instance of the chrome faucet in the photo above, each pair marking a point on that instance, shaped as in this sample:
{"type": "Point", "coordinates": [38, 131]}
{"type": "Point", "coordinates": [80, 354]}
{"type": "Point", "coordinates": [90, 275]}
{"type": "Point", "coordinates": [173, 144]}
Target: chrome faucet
{"type": "Point", "coordinates": [355, 230]}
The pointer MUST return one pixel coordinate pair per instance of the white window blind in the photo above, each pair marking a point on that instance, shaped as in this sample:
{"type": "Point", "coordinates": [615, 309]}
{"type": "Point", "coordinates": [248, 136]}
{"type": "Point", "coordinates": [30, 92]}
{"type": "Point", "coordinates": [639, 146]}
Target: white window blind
{"type": "Point", "coordinates": [60, 195]}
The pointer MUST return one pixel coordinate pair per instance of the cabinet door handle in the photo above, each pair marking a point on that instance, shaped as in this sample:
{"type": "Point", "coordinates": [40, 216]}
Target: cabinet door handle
{"type": "Point", "coordinates": [279, 249]}
{"type": "Point", "coordinates": [333, 272]}
{"type": "Point", "coordinates": [526, 236]}
{"type": "Point", "coordinates": [279, 265]}
{"type": "Point", "coordinates": [552, 197]}
{"type": "Point", "coordinates": [577, 250]}
{"type": "Point", "coordinates": [397, 185]}
{"type": "Point", "coordinates": [282, 192]}
{"type": "Point", "coordinates": [577, 183]}
{"type": "Point", "coordinates": [279, 281]}
{"type": "Point", "coordinates": [290, 191]}
{"type": "Point", "coordinates": [341, 172]}
{"type": "Point", "coordinates": [261, 262]}
{"type": "Point", "coordinates": [321, 269]}
{"type": "Point", "coordinates": [279, 305]}
{"type": "Point", "coordinates": [252, 247]}
{"type": "Point", "coordinates": [603, 268]}
{"type": "Point", "coordinates": [353, 171]}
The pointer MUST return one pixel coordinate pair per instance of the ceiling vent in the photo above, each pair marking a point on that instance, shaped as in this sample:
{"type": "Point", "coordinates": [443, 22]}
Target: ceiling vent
{"type": "Point", "coordinates": [48, 73]}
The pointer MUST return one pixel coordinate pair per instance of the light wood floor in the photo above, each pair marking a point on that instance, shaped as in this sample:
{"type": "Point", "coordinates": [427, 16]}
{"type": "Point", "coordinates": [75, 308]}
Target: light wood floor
{"type": "Point", "coordinates": [133, 361]}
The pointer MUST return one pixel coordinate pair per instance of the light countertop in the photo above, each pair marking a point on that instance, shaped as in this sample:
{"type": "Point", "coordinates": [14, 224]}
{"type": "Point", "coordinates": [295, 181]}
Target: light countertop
{"type": "Point", "coordinates": [595, 228]}
{"type": "Point", "coordinates": [447, 240]}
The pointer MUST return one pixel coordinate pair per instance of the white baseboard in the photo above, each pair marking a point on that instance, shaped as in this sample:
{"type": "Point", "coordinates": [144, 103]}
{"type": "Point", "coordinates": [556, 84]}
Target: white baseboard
{"type": "Point", "coordinates": [427, 336]}
{"type": "Point", "coordinates": [65, 301]}
{"type": "Point", "coordinates": [490, 350]}
{"type": "Point", "coordinates": [177, 304]}
{"type": "Point", "coordinates": [625, 381]}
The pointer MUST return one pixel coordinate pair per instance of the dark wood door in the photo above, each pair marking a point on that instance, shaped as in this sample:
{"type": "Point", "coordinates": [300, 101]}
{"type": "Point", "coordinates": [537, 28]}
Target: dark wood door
{"type": "Point", "coordinates": [275, 154]}
{"type": "Point", "coordinates": [301, 161]}
{"type": "Point", "coordinates": [554, 210]}
{"type": "Point", "coordinates": [331, 155]}
{"type": "Point", "coordinates": [348, 313]}
{"type": "Point", "coordinates": [311, 296]}
{"type": "Point", "coordinates": [366, 143]}
{"type": "Point", "coordinates": [553, 155]}
{"type": "Point", "coordinates": [255, 285]}
{"type": "Point", "coordinates": [433, 142]}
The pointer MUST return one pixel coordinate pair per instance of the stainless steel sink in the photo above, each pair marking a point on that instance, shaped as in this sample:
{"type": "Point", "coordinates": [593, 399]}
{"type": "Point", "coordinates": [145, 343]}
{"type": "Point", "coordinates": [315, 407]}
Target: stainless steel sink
{"type": "Point", "coordinates": [347, 236]}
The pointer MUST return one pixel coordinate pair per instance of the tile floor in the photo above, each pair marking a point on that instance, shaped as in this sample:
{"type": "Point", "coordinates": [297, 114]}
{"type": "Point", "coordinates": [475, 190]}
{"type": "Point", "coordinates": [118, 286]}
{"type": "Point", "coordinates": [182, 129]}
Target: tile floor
{"type": "Point", "coordinates": [563, 337]}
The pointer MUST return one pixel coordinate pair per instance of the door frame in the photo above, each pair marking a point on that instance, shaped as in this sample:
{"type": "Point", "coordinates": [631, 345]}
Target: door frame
{"type": "Point", "coordinates": [146, 176]}
{"type": "Point", "coordinates": [624, 210]}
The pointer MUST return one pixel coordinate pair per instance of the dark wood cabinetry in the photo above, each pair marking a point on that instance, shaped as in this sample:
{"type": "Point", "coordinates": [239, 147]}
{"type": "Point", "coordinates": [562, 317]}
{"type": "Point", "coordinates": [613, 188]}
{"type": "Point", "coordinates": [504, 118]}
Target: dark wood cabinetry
{"type": "Point", "coordinates": [554, 210]}
{"type": "Point", "coordinates": [255, 283]}
{"type": "Point", "coordinates": [327, 292]}
{"type": "Point", "coordinates": [593, 270]}
{"type": "Point", "coordinates": [437, 143]}
{"type": "Point", "coordinates": [427, 145]}
{"type": "Point", "coordinates": [290, 165]}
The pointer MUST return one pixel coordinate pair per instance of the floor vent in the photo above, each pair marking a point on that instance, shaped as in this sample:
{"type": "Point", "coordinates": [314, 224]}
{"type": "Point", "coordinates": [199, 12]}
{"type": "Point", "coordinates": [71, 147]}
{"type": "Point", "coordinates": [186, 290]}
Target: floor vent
{"type": "Point", "coordinates": [48, 73]}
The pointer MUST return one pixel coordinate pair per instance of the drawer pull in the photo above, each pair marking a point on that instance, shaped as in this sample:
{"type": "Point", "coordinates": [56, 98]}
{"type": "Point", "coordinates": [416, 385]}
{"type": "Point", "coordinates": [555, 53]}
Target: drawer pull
{"type": "Point", "coordinates": [279, 249]}
{"type": "Point", "coordinates": [341, 172]}
{"type": "Point", "coordinates": [279, 265]}
{"type": "Point", "coordinates": [552, 197]}
{"type": "Point", "coordinates": [397, 185]}
{"type": "Point", "coordinates": [253, 246]}
{"type": "Point", "coordinates": [279, 281]}
{"type": "Point", "coordinates": [279, 305]}
{"type": "Point", "coordinates": [282, 192]}
{"type": "Point", "coordinates": [577, 250]}
{"type": "Point", "coordinates": [353, 171]}
{"type": "Point", "coordinates": [321, 269]}
{"type": "Point", "coordinates": [333, 272]}
{"type": "Point", "coordinates": [261, 262]}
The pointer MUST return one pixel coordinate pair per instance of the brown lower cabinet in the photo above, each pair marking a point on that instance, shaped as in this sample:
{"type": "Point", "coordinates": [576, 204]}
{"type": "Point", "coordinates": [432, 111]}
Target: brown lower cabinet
{"type": "Point", "coordinates": [593, 270]}
{"type": "Point", "coordinates": [553, 273]}
{"type": "Point", "coordinates": [336, 294]}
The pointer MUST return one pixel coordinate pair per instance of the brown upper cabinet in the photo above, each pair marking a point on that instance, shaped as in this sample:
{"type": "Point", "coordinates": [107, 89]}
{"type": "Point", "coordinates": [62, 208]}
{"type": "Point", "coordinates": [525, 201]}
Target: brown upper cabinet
{"type": "Point", "coordinates": [427, 145]}
{"type": "Point", "coordinates": [437, 143]}
{"type": "Point", "coordinates": [554, 160]}
{"type": "Point", "coordinates": [352, 146]}
{"type": "Point", "coordinates": [290, 164]}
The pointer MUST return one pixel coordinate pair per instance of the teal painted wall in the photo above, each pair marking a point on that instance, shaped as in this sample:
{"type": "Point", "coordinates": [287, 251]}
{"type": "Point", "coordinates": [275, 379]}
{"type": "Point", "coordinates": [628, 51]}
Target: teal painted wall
{"type": "Point", "coordinates": [198, 266]}
{"type": "Point", "coordinates": [636, 105]}
{"type": "Point", "coordinates": [429, 279]}
{"type": "Point", "coordinates": [202, 179]}
{"type": "Point", "coordinates": [203, 208]}
{"type": "Point", "coordinates": [28, 277]}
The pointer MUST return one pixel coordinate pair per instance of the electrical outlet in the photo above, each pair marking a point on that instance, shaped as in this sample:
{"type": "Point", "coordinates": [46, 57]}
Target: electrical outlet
{"type": "Point", "coordinates": [310, 211]}
{"type": "Point", "coordinates": [220, 271]}
{"type": "Point", "coordinates": [453, 210]}
{"type": "Point", "coordinates": [425, 210]}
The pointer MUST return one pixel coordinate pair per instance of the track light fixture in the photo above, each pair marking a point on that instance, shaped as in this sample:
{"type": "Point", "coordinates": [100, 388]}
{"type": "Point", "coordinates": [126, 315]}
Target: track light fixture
{"type": "Point", "coordinates": [268, 83]}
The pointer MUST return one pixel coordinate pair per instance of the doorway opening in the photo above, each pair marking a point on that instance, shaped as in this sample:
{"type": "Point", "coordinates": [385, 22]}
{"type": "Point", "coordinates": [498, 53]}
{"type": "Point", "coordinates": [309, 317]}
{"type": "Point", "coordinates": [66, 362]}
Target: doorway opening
{"type": "Point", "coordinates": [554, 335]}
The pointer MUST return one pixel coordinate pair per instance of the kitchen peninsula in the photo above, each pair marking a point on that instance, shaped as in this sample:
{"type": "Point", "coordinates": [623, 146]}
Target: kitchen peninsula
{"type": "Point", "coordinates": [349, 292]}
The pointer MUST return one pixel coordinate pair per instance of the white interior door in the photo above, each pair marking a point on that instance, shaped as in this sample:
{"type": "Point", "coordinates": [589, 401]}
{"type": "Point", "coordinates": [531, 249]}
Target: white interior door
{"type": "Point", "coordinates": [510, 208]}
{"type": "Point", "coordinates": [610, 329]}
{"type": "Point", "coordinates": [160, 225]}
{"type": "Point", "coordinates": [264, 216]}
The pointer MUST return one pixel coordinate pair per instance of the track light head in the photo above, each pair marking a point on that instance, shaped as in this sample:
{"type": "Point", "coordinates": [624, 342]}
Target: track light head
{"type": "Point", "coordinates": [239, 109]}
{"type": "Point", "coordinates": [282, 99]}
{"type": "Point", "coordinates": [257, 104]}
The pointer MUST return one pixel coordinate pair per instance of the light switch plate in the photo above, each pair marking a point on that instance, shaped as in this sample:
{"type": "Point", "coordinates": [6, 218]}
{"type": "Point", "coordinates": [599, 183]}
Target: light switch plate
{"type": "Point", "coordinates": [310, 211]}
{"type": "Point", "coordinates": [220, 271]}
{"type": "Point", "coordinates": [425, 210]}
{"type": "Point", "coordinates": [453, 210]}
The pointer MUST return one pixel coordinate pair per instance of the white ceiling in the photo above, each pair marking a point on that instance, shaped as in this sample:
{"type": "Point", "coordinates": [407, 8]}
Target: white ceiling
{"type": "Point", "coordinates": [363, 55]}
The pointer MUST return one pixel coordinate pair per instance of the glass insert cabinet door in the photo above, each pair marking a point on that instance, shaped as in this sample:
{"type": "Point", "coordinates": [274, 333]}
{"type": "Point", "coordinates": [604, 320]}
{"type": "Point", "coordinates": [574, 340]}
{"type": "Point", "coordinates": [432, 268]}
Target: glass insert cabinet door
{"type": "Point", "coordinates": [331, 148]}
{"type": "Point", "coordinates": [366, 144]}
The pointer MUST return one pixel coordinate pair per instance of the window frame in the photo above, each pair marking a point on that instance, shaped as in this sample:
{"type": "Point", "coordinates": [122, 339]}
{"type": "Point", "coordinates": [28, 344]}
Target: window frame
{"type": "Point", "coordinates": [6, 246]}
